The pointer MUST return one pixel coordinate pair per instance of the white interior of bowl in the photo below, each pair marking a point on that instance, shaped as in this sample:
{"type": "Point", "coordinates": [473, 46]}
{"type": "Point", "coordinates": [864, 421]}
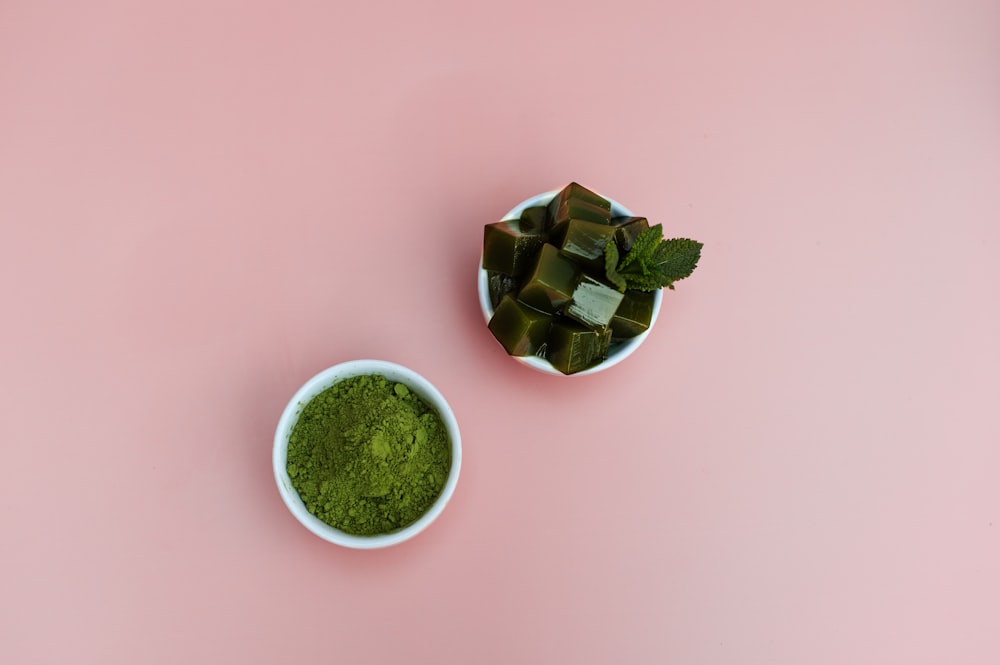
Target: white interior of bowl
{"type": "Point", "coordinates": [317, 384]}
{"type": "Point", "coordinates": [617, 354]}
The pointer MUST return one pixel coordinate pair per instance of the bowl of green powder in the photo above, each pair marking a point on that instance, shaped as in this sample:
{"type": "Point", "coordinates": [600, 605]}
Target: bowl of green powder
{"type": "Point", "coordinates": [367, 454]}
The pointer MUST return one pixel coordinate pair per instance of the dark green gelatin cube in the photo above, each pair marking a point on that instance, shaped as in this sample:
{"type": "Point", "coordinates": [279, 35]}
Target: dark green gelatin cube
{"type": "Point", "coordinates": [535, 219]}
{"type": "Point", "coordinates": [522, 330]}
{"type": "Point", "coordinates": [500, 285]}
{"type": "Point", "coordinates": [594, 303]}
{"type": "Point", "coordinates": [510, 248]}
{"type": "Point", "coordinates": [576, 191]}
{"type": "Point", "coordinates": [574, 209]}
{"type": "Point", "coordinates": [634, 314]}
{"type": "Point", "coordinates": [584, 242]}
{"type": "Point", "coordinates": [627, 229]}
{"type": "Point", "coordinates": [573, 347]}
{"type": "Point", "coordinates": [550, 285]}
{"type": "Point", "coordinates": [577, 202]}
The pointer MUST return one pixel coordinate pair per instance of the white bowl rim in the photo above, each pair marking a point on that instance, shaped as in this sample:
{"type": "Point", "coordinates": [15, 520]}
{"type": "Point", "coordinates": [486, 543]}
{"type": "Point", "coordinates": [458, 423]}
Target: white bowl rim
{"type": "Point", "coordinates": [320, 382]}
{"type": "Point", "coordinates": [541, 364]}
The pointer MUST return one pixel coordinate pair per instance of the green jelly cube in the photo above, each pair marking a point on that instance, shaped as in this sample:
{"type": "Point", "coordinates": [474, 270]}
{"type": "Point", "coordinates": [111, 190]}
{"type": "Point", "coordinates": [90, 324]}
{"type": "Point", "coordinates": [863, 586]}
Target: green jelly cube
{"type": "Point", "coordinates": [634, 314]}
{"type": "Point", "coordinates": [510, 248]}
{"type": "Point", "coordinates": [500, 285]}
{"type": "Point", "coordinates": [594, 303]}
{"type": "Point", "coordinates": [584, 242]}
{"type": "Point", "coordinates": [550, 285]}
{"type": "Point", "coordinates": [573, 347]}
{"type": "Point", "coordinates": [535, 219]}
{"type": "Point", "coordinates": [522, 330]}
{"type": "Point", "coordinates": [577, 202]}
{"type": "Point", "coordinates": [576, 191]}
{"type": "Point", "coordinates": [627, 229]}
{"type": "Point", "coordinates": [574, 209]}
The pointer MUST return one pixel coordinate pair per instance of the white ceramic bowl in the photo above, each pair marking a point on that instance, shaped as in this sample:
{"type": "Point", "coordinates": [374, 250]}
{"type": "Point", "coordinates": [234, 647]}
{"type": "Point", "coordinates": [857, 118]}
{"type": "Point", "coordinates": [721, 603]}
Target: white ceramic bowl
{"type": "Point", "coordinates": [618, 351]}
{"type": "Point", "coordinates": [328, 377]}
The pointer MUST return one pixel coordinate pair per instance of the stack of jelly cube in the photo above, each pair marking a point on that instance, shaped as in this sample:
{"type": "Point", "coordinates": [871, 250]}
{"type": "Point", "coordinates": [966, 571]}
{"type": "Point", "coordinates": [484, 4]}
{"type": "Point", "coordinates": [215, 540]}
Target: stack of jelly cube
{"type": "Point", "coordinates": [548, 287]}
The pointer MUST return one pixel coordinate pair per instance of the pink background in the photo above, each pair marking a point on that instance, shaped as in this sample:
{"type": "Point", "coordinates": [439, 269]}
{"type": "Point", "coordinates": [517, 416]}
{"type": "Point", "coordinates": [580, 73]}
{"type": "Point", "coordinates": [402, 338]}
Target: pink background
{"type": "Point", "coordinates": [203, 204]}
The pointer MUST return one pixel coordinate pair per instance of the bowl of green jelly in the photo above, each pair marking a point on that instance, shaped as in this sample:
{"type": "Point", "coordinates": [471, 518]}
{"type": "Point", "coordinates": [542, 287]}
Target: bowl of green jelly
{"type": "Point", "coordinates": [543, 290]}
{"type": "Point", "coordinates": [367, 454]}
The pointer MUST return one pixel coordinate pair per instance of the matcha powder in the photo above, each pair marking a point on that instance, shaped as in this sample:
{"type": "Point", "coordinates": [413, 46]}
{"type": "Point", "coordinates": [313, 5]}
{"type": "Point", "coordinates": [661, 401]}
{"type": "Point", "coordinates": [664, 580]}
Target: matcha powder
{"type": "Point", "coordinates": [368, 456]}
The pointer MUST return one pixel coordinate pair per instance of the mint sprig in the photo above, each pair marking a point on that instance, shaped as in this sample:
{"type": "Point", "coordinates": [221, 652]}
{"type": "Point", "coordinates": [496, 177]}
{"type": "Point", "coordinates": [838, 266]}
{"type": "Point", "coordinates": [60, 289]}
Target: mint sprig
{"type": "Point", "coordinates": [611, 266]}
{"type": "Point", "coordinates": [653, 262]}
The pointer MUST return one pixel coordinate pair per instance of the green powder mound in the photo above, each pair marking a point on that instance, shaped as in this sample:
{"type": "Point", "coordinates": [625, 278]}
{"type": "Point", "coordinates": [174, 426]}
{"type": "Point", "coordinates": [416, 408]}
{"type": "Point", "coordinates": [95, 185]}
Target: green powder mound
{"type": "Point", "coordinates": [368, 456]}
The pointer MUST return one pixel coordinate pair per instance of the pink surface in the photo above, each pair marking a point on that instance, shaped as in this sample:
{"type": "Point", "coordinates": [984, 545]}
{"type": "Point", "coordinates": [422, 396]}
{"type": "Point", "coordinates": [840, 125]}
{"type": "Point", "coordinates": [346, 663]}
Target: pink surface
{"type": "Point", "coordinates": [203, 204]}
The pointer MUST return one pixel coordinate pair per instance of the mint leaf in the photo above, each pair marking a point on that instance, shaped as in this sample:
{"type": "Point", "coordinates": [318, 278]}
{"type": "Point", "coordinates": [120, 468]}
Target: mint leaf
{"type": "Point", "coordinates": [611, 264]}
{"type": "Point", "coordinates": [653, 262]}
{"type": "Point", "coordinates": [644, 282]}
{"type": "Point", "coordinates": [675, 259]}
{"type": "Point", "coordinates": [644, 246]}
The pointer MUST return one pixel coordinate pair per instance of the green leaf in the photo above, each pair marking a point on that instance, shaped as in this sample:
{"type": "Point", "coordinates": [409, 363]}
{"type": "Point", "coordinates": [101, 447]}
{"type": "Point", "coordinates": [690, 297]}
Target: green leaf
{"type": "Point", "coordinates": [637, 269]}
{"type": "Point", "coordinates": [643, 282]}
{"type": "Point", "coordinates": [644, 246]}
{"type": "Point", "coordinates": [611, 265]}
{"type": "Point", "coordinates": [675, 259]}
{"type": "Point", "coordinates": [653, 262]}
